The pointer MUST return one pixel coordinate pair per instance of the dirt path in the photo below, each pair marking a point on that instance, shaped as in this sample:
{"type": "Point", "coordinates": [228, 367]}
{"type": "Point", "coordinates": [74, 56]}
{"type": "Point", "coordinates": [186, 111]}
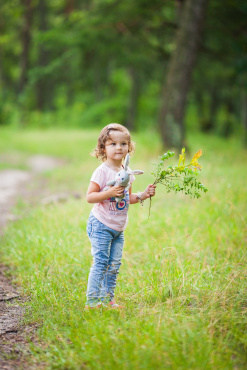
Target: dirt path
{"type": "Point", "coordinates": [14, 335]}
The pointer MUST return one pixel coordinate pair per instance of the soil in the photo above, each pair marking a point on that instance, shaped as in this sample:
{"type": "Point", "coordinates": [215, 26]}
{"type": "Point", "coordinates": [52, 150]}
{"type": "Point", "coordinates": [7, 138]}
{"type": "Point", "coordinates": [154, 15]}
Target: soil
{"type": "Point", "coordinates": [15, 334]}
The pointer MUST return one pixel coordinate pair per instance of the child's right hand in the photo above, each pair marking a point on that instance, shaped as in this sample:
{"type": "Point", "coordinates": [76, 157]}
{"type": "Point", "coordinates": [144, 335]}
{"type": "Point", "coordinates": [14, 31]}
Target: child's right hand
{"type": "Point", "coordinates": [115, 191]}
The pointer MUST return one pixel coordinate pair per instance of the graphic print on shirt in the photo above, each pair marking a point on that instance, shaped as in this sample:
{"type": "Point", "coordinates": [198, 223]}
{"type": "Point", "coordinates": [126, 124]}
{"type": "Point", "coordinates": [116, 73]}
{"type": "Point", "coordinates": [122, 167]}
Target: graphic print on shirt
{"type": "Point", "coordinates": [119, 207]}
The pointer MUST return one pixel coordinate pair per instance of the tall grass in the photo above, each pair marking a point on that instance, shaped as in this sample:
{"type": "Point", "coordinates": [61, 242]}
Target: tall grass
{"type": "Point", "coordinates": [183, 276]}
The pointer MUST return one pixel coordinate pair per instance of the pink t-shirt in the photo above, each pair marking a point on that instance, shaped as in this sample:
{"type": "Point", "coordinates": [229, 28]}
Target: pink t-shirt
{"type": "Point", "coordinates": [109, 212]}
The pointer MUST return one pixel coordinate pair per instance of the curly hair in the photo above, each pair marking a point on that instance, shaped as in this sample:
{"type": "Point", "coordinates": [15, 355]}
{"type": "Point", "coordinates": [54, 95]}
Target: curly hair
{"type": "Point", "coordinates": [99, 151]}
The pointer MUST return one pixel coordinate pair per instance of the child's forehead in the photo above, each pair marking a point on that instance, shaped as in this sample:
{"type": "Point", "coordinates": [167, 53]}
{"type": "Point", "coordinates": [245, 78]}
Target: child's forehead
{"type": "Point", "coordinates": [118, 135]}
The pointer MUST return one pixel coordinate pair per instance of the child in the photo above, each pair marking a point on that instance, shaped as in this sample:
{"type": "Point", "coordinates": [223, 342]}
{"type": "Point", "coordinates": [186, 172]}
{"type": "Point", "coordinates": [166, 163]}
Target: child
{"type": "Point", "coordinates": [108, 219]}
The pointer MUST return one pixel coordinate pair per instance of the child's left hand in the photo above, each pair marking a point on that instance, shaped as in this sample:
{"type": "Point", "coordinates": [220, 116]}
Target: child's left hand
{"type": "Point", "coordinates": [150, 191]}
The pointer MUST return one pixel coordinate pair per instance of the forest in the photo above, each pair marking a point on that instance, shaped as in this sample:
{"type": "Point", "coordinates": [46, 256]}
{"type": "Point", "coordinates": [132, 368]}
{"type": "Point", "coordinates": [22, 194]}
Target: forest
{"type": "Point", "coordinates": [175, 73]}
{"type": "Point", "coordinates": [174, 65]}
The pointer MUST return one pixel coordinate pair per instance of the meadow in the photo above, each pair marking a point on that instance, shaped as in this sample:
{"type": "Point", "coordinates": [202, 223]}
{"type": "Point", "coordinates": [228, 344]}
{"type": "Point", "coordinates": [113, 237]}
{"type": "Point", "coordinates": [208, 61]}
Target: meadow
{"type": "Point", "coordinates": [183, 275]}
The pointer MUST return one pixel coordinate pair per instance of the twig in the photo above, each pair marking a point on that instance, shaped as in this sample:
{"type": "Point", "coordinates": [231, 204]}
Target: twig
{"type": "Point", "coordinates": [149, 211]}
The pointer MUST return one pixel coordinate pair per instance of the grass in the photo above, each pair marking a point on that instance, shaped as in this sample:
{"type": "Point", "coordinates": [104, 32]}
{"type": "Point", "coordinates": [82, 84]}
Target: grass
{"type": "Point", "coordinates": [183, 278]}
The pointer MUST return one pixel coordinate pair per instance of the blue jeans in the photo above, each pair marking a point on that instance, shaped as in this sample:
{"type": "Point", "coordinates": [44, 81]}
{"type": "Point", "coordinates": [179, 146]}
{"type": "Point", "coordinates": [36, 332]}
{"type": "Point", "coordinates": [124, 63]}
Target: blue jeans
{"type": "Point", "coordinates": [107, 250]}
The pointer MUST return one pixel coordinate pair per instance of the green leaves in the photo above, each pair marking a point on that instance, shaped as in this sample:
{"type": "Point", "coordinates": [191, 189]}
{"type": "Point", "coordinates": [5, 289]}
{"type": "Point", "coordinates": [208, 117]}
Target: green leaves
{"type": "Point", "coordinates": [182, 177]}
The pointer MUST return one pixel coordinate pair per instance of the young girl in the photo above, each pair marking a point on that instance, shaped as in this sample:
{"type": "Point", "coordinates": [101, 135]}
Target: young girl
{"type": "Point", "coordinates": [108, 219]}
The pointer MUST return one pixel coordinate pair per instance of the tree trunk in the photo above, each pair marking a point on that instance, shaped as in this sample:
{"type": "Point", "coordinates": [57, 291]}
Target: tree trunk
{"type": "Point", "coordinates": [26, 42]}
{"type": "Point", "coordinates": [133, 100]}
{"type": "Point", "coordinates": [171, 118]}
{"type": "Point", "coordinates": [180, 5]}
{"type": "Point", "coordinates": [69, 6]}
{"type": "Point", "coordinates": [43, 86]}
{"type": "Point", "coordinates": [97, 82]}
{"type": "Point", "coordinates": [208, 114]}
{"type": "Point", "coordinates": [244, 115]}
{"type": "Point", "coordinates": [213, 108]}
{"type": "Point", "coordinates": [68, 10]}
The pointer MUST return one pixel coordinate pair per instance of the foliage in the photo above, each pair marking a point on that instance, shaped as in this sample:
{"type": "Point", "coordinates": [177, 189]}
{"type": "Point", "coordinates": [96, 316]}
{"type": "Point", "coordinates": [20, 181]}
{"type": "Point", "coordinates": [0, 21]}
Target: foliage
{"type": "Point", "coordinates": [94, 48]}
{"type": "Point", "coordinates": [181, 177]}
{"type": "Point", "coordinates": [183, 278]}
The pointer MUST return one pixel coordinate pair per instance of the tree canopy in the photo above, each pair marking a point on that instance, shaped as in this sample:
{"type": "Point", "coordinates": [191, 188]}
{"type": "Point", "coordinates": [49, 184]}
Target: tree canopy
{"type": "Point", "coordinates": [109, 60]}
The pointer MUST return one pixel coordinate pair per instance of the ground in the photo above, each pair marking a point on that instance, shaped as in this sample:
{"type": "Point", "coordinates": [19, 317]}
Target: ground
{"type": "Point", "coordinates": [14, 334]}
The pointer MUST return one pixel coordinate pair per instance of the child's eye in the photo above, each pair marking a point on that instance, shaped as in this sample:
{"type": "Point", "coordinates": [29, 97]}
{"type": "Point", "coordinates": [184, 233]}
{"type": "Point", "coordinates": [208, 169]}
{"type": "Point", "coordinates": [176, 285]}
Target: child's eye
{"type": "Point", "coordinates": [113, 143]}
{"type": "Point", "coordinates": [124, 143]}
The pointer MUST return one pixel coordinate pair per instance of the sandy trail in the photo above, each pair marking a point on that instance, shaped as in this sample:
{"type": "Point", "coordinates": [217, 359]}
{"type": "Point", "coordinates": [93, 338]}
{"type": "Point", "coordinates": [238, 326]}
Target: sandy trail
{"type": "Point", "coordinates": [14, 335]}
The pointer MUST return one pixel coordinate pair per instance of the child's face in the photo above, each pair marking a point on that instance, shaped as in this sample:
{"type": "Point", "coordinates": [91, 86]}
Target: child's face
{"type": "Point", "coordinates": [116, 148]}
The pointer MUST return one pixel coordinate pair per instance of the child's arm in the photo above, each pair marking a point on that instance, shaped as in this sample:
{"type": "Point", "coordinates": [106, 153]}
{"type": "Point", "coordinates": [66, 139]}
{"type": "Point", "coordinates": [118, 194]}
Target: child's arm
{"type": "Point", "coordinates": [95, 196]}
{"type": "Point", "coordinates": [135, 198]}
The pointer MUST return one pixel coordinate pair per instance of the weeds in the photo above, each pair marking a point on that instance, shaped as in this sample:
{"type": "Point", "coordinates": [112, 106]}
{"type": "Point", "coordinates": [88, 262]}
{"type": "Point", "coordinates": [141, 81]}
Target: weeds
{"type": "Point", "coordinates": [183, 277]}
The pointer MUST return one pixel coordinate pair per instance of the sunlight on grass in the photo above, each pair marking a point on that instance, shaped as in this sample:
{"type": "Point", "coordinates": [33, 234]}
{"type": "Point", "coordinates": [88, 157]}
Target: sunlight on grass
{"type": "Point", "coordinates": [183, 276]}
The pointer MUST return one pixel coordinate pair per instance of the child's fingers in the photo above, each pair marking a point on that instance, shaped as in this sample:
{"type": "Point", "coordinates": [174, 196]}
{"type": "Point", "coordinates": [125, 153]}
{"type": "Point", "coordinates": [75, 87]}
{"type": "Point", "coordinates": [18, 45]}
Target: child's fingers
{"type": "Point", "coordinates": [119, 190]}
{"type": "Point", "coordinates": [151, 189]}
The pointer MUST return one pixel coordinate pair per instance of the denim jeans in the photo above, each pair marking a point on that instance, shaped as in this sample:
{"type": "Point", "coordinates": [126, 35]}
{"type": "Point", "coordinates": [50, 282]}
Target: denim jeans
{"type": "Point", "coordinates": [107, 249]}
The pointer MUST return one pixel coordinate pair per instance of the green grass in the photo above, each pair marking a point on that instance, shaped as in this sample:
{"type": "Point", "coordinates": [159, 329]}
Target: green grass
{"type": "Point", "coordinates": [183, 277]}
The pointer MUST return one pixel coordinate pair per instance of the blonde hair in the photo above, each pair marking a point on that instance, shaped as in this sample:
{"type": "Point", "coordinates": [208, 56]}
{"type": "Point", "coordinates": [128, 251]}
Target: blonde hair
{"type": "Point", "coordinates": [99, 151]}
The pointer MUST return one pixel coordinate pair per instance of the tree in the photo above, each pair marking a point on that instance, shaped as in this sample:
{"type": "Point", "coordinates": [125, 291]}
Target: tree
{"type": "Point", "coordinates": [42, 86]}
{"type": "Point", "coordinates": [178, 80]}
{"type": "Point", "coordinates": [220, 76]}
{"type": "Point", "coordinates": [26, 43]}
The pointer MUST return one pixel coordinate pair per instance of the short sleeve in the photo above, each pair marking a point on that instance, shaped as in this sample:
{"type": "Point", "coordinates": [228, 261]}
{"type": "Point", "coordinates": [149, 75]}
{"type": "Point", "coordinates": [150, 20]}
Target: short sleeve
{"type": "Point", "coordinates": [99, 177]}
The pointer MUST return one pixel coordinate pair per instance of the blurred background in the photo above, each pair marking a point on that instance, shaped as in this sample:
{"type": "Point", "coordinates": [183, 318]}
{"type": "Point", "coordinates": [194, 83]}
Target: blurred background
{"type": "Point", "coordinates": [174, 65]}
{"type": "Point", "coordinates": [175, 73]}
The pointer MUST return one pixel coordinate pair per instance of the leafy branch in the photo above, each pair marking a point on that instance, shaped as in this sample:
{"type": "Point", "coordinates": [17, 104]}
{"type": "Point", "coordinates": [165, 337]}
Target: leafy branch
{"type": "Point", "coordinates": [181, 177]}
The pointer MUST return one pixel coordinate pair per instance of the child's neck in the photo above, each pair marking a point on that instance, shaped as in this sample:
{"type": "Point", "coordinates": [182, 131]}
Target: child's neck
{"type": "Point", "coordinates": [115, 165]}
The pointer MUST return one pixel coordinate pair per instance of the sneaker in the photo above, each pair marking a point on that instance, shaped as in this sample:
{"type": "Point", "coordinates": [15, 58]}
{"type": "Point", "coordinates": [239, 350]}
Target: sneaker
{"type": "Point", "coordinates": [92, 307]}
{"type": "Point", "coordinates": [113, 304]}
